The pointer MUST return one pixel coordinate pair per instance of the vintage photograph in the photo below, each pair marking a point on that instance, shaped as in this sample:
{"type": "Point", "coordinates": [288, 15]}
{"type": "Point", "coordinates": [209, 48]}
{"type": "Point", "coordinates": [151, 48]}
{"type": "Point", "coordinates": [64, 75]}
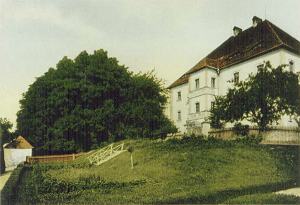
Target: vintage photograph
{"type": "Point", "coordinates": [149, 102]}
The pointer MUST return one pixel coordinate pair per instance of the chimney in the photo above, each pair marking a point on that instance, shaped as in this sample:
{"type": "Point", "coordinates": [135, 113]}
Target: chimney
{"type": "Point", "coordinates": [255, 21]}
{"type": "Point", "coordinates": [236, 31]}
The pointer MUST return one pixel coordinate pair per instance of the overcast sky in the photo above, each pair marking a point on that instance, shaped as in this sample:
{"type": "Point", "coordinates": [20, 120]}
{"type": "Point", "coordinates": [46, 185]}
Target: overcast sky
{"type": "Point", "coordinates": [169, 36]}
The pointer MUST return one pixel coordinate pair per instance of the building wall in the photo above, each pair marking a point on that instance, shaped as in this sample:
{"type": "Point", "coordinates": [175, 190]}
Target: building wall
{"type": "Point", "coordinates": [246, 68]}
{"type": "Point", "coordinates": [205, 94]}
{"type": "Point", "coordinates": [13, 157]}
{"type": "Point", "coordinates": [179, 105]}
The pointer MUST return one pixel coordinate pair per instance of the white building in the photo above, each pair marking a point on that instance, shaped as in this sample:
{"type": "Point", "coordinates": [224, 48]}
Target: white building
{"type": "Point", "coordinates": [192, 95]}
{"type": "Point", "coordinates": [16, 152]}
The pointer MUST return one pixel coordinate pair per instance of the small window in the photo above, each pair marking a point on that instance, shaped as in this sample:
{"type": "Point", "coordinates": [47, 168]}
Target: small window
{"type": "Point", "coordinates": [213, 82]}
{"type": "Point", "coordinates": [236, 77]}
{"type": "Point", "coordinates": [179, 96]}
{"type": "Point", "coordinates": [197, 107]}
{"type": "Point", "coordinates": [179, 115]}
{"type": "Point", "coordinates": [197, 83]}
{"type": "Point", "coordinates": [212, 105]}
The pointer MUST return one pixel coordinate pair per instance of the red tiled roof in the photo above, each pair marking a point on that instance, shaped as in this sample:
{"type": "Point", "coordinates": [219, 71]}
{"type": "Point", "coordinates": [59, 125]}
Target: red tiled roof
{"type": "Point", "coordinates": [252, 42]}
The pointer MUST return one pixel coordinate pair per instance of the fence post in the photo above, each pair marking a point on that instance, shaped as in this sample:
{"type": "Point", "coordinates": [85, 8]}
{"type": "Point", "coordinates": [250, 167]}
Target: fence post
{"type": "Point", "coordinates": [73, 156]}
{"type": "Point", "coordinates": [111, 149]}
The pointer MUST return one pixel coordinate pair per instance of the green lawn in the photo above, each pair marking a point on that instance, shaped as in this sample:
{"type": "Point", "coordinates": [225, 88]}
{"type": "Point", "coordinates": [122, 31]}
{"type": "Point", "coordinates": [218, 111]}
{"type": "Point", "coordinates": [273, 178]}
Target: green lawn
{"type": "Point", "coordinates": [174, 171]}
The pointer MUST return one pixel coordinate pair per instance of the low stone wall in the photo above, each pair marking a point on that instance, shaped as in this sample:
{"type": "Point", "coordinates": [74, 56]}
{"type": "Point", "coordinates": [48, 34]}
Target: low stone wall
{"type": "Point", "coordinates": [276, 135]}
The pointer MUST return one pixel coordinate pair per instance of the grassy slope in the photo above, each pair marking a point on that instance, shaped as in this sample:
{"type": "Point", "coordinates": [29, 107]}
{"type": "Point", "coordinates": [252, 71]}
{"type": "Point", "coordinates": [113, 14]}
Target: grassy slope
{"type": "Point", "coordinates": [186, 171]}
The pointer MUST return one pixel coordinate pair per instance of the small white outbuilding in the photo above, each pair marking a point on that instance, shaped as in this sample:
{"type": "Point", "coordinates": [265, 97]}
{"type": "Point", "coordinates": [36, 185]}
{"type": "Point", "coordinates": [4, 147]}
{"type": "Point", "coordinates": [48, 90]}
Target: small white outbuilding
{"type": "Point", "coordinates": [16, 151]}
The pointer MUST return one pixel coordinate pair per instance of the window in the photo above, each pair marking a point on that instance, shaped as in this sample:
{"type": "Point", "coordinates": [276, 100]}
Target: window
{"type": "Point", "coordinates": [236, 77]}
{"type": "Point", "coordinates": [197, 107]}
{"type": "Point", "coordinates": [179, 96]}
{"type": "Point", "coordinates": [179, 115]}
{"type": "Point", "coordinates": [212, 105]}
{"type": "Point", "coordinates": [197, 83]}
{"type": "Point", "coordinates": [213, 82]}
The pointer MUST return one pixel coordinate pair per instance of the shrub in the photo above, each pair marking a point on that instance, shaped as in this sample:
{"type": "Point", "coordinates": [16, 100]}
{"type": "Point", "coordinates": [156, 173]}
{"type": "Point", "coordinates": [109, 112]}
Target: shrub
{"type": "Point", "coordinates": [240, 129]}
{"type": "Point", "coordinates": [250, 139]}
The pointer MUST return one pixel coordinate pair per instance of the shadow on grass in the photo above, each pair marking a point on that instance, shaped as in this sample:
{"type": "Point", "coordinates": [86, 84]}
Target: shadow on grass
{"type": "Point", "coordinates": [222, 196]}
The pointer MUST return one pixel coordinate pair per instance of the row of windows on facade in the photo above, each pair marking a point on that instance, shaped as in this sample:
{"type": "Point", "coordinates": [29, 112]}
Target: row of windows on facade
{"type": "Point", "coordinates": [197, 106]}
{"type": "Point", "coordinates": [197, 84]}
{"type": "Point", "coordinates": [213, 84]}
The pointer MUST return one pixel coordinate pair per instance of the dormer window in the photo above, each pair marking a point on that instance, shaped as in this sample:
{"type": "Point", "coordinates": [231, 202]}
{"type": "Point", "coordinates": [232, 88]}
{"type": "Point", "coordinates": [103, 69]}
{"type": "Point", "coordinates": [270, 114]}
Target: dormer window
{"type": "Point", "coordinates": [236, 78]}
{"type": "Point", "coordinates": [197, 83]}
{"type": "Point", "coordinates": [179, 96]}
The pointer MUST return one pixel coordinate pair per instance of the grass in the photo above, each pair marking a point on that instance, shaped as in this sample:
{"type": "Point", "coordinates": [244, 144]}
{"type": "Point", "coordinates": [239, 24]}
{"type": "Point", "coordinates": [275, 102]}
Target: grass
{"type": "Point", "coordinates": [174, 171]}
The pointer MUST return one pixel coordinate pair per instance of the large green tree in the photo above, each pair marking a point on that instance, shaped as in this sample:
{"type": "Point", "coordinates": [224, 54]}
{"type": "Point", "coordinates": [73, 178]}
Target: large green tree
{"type": "Point", "coordinates": [261, 99]}
{"type": "Point", "coordinates": [89, 100]}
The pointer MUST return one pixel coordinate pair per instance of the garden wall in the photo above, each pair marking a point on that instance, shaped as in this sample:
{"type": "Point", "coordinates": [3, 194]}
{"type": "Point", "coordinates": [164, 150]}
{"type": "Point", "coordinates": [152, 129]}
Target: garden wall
{"type": "Point", "coordinates": [275, 135]}
{"type": "Point", "coordinates": [52, 158]}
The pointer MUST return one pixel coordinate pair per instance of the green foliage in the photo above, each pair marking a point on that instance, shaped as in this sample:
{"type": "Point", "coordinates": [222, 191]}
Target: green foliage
{"type": "Point", "coordinates": [130, 149]}
{"type": "Point", "coordinates": [240, 129]}
{"type": "Point", "coordinates": [90, 100]}
{"type": "Point", "coordinates": [297, 109]}
{"type": "Point", "coordinates": [193, 170]}
{"type": "Point", "coordinates": [6, 127]}
{"type": "Point", "coordinates": [39, 185]}
{"type": "Point", "coordinates": [249, 139]}
{"type": "Point", "coordinates": [262, 98]}
{"type": "Point", "coordinates": [264, 198]}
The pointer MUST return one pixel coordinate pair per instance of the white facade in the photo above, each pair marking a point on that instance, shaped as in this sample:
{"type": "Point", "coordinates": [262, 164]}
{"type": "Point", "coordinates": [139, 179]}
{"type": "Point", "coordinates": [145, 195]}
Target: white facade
{"type": "Point", "coordinates": [13, 157]}
{"type": "Point", "coordinates": [198, 94]}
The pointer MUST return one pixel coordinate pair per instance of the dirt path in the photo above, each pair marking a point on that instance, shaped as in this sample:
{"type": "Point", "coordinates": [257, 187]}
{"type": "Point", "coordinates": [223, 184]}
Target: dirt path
{"type": "Point", "coordinates": [292, 191]}
{"type": "Point", "coordinates": [4, 178]}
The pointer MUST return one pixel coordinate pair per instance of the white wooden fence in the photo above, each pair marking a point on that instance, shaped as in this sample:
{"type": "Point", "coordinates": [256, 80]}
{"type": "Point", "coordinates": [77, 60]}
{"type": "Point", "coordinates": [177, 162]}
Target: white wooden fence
{"type": "Point", "coordinates": [106, 154]}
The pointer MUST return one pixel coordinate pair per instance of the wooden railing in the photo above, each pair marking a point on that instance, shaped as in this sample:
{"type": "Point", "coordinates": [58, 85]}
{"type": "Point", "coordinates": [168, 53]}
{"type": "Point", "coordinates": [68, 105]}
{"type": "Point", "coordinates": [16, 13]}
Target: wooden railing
{"type": "Point", "coordinates": [52, 158]}
{"type": "Point", "coordinates": [106, 154]}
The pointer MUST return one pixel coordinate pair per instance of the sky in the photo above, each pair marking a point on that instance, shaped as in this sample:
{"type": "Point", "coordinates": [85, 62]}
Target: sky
{"type": "Point", "coordinates": [169, 36]}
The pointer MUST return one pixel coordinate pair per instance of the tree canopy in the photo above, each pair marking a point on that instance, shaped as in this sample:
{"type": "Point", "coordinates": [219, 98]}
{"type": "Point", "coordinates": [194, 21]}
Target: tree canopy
{"type": "Point", "coordinates": [261, 99]}
{"type": "Point", "coordinates": [6, 127]}
{"type": "Point", "coordinates": [89, 100]}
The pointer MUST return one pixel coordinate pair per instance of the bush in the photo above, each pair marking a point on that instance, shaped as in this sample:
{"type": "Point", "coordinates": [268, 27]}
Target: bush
{"type": "Point", "coordinates": [240, 129]}
{"type": "Point", "coordinates": [250, 139]}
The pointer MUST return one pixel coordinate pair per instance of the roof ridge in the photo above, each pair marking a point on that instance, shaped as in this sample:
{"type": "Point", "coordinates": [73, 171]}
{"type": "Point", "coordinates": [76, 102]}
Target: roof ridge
{"type": "Point", "coordinates": [252, 42]}
{"type": "Point", "coordinates": [274, 32]}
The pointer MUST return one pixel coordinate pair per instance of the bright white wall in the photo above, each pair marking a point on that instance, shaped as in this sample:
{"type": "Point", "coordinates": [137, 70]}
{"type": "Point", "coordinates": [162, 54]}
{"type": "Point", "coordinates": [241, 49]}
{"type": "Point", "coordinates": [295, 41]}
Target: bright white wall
{"type": "Point", "coordinates": [181, 105]}
{"type": "Point", "coordinates": [13, 157]}
{"type": "Point", "coordinates": [247, 67]}
{"type": "Point", "coordinates": [205, 95]}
